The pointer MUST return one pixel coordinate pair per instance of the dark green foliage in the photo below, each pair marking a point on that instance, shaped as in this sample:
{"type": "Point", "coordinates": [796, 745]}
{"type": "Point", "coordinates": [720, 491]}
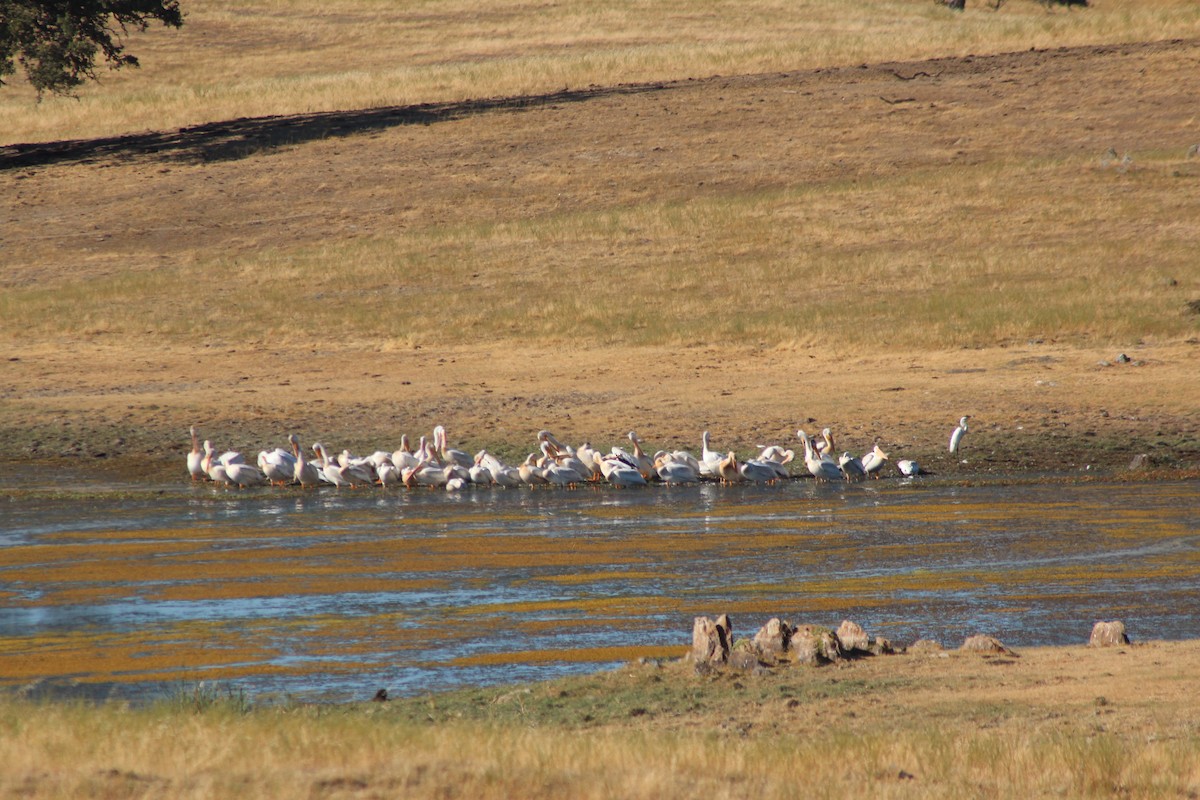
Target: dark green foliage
{"type": "Point", "coordinates": [56, 42]}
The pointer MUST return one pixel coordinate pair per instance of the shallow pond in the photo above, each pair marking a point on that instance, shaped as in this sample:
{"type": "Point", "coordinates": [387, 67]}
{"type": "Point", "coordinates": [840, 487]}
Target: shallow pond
{"type": "Point", "coordinates": [130, 592]}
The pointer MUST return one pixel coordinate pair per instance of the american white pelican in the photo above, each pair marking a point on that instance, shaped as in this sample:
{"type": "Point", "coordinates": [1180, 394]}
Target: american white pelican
{"type": "Point", "coordinates": [404, 457]}
{"type": "Point", "coordinates": [304, 472]}
{"type": "Point", "coordinates": [672, 470]}
{"type": "Point", "coordinates": [757, 471]}
{"type": "Point", "coordinates": [448, 454]}
{"type": "Point", "coordinates": [388, 474]}
{"type": "Point", "coordinates": [332, 471]}
{"type": "Point", "coordinates": [820, 467]}
{"type": "Point", "coordinates": [710, 459]}
{"type": "Point", "coordinates": [456, 484]}
{"type": "Point", "coordinates": [778, 459]}
{"type": "Point", "coordinates": [244, 475]}
{"type": "Point", "coordinates": [728, 470]}
{"type": "Point", "coordinates": [852, 468]}
{"type": "Point", "coordinates": [824, 446]}
{"type": "Point", "coordinates": [958, 433]}
{"type": "Point", "coordinates": [359, 470]}
{"type": "Point", "coordinates": [531, 473]}
{"type": "Point", "coordinates": [872, 462]}
{"type": "Point", "coordinates": [908, 467]}
{"type": "Point", "coordinates": [278, 465]}
{"type": "Point", "coordinates": [643, 462]}
{"type": "Point", "coordinates": [620, 473]}
{"type": "Point", "coordinates": [587, 455]}
{"type": "Point", "coordinates": [195, 459]}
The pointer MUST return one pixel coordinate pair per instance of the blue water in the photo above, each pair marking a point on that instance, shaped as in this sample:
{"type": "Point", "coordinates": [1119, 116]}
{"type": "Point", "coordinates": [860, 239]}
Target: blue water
{"type": "Point", "coordinates": [429, 582]}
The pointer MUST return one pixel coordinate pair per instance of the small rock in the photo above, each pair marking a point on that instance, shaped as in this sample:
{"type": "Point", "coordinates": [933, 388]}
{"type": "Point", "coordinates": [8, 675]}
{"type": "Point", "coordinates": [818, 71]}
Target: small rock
{"type": "Point", "coordinates": [926, 646]}
{"type": "Point", "coordinates": [852, 637]}
{"type": "Point", "coordinates": [982, 643]}
{"type": "Point", "coordinates": [1108, 634]}
{"type": "Point", "coordinates": [1140, 461]}
{"type": "Point", "coordinates": [1123, 359]}
{"type": "Point", "coordinates": [711, 640]}
{"type": "Point", "coordinates": [815, 645]}
{"type": "Point", "coordinates": [772, 639]}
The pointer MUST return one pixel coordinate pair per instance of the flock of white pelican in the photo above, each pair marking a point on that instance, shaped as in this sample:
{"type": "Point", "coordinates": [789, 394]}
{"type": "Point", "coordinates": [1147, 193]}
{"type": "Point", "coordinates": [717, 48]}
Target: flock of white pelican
{"type": "Point", "coordinates": [434, 463]}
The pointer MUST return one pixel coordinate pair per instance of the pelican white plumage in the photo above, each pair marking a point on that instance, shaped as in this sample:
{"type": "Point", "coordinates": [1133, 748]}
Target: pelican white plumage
{"type": "Point", "coordinates": [332, 471]}
{"type": "Point", "coordinates": [244, 475]}
{"type": "Point", "coordinates": [195, 459]}
{"type": "Point", "coordinates": [403, 456]}
{"type": "Point", "coordinates": [620, 473]}
{"type": "Point", "coordinates": [643, 462]}
{"type": "Point", "coordinates": [710, 460]}
{"type": "Point", "coordinates": [448, 454]}
{"type": "Point", "coordinates": [820, 467]}
{"type": "Point", "coordinates": [758, 471]}
{"type": "Point", "coordinates": [673, 470]}
{"type": "Point", "coordinates": [872, 462]}
{"type": "Point", "coordinates": [278, 465]}
{"type": "Point", "coordinates": [304, 472]}
{"type": "Point", "coordinates": [908, 467]}
{"type": "Point", "coordinates": [957, 434]}
{"type": "Point", "coordinates": [531, 473]}
{"type": "Point", "coordinates": [852, 468]}
{"type": "Point", "coordinates": [728, 469]}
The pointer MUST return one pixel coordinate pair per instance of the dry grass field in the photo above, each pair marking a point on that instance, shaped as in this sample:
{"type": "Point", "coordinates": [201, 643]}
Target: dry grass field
{"type": "Point", "coordinates": [351, 221]}
{"type": "Point", "coordinates": [1058, 722]}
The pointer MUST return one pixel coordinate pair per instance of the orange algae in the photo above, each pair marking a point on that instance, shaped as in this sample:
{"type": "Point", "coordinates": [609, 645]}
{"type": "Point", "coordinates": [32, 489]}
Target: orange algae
{"type": "Point", "coordinates": [585, 654]}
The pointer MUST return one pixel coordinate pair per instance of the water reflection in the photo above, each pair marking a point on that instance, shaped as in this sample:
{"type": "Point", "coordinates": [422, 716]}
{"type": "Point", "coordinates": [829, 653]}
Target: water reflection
{"type": "Point", "coordinates": [335, 594]}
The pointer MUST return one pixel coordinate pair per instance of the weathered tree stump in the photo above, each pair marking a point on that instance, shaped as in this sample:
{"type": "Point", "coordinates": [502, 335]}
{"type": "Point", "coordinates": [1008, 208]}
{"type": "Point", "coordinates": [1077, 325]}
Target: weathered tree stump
{"type": "Point", "coordinates": [1108, 634]}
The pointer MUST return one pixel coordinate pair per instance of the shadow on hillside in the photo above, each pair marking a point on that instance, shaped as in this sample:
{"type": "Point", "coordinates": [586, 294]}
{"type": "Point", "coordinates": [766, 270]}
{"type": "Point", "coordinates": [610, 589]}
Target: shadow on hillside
{"type": "Point", "coordinates": [239, 138]}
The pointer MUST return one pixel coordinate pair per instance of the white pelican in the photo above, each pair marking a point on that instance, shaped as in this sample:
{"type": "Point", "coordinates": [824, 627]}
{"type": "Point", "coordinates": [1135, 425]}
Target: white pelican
{"type": "Point", "coordinates": [620, 473]}
{"type": "Point", "coordinates": [404, 457]}
{"type": "Point", "coordinates": [824, 445]}
{"type": "Point", "coordinates": [244, 475]}
{"type": "Point", "coordinates": [852, 468]}
{"type": "Point", "coordinates": [448, 454]}
{"type": "Point", "coordinates": [908, 467]}
{"type": "Point", "coordinates": [195, 459]}
{"type": "Point", "coordinates": [821, 468]}
{"type": "Point", "coordinates": [332, 471]}
{"type": "Point", "coordinates": [388, 474]}
{"type": "Point", "coordinates": [644, 463]}
{"type": "Point", "coordinates": [778, 459]}
{"type": "Point", "coordinates": [278, 465]}
{"type": "Point", "coordinates": [672, 470]}
{"type": "Point", "coordinates": [587, 456]}
{"type": "Point", "coordinates": [456, 484]}
{"type": "Point", "coordinates": [728, 469]}
{"type": "Point", "coordinates": [359, 470]}
{"type": "Point", "coordinates": [709, 459]}
{"type": "Point", "coordinates": [872, 462]}
{"type": "Point", "coordinates": [757, 471]}
{"type": "Point", "coordinates": [305, 472]}
{"type": "Point", "coordinates": [530, 472]}
{"type": "Point", "coordinates": [958, 433]}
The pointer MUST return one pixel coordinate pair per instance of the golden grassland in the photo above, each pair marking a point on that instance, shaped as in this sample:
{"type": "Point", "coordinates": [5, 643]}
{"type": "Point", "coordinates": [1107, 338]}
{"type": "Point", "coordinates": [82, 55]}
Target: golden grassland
{"type": "Point", "coordinates": [1068, 722]}
{"type": "Point", "coordinates": [235, 59]}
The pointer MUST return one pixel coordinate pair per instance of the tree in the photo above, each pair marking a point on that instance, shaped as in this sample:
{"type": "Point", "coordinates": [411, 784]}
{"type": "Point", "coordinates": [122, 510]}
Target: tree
{"type": "Point", "coordinates": [56, 41]}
